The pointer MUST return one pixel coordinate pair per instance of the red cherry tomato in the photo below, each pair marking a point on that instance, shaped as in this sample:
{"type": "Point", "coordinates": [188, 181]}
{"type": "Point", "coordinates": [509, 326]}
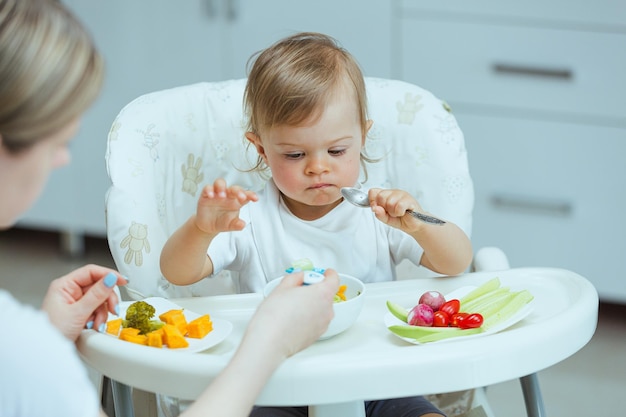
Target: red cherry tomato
{"type": "Point", "coordinates": [471, 321]}
{"type": "Point", "coordinates": [441, 319]}
{"type": "Point", "coordinates": [451, 307]}
{"type": "Point", "coordinates": [456, 319]}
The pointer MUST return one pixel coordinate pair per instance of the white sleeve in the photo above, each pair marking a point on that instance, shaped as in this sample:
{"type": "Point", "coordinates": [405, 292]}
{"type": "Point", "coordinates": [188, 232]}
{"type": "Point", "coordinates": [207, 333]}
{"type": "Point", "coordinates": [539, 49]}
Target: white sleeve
{"type": "Point", "coordinates": [403, 246]}
{"type": "Point", "coordinates": [41, 374]}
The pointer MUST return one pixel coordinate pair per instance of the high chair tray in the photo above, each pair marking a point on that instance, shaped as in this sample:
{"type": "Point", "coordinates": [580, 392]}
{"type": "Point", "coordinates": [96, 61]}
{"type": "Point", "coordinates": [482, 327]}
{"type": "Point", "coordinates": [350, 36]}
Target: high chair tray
{"type": "Point", "coordinates": [367, 361]}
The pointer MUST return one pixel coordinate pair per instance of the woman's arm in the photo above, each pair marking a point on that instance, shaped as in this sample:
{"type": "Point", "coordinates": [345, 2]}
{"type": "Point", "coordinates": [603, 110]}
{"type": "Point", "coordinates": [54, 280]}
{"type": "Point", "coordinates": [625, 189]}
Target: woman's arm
{"type": "Point", "coordinates": [274, 334]}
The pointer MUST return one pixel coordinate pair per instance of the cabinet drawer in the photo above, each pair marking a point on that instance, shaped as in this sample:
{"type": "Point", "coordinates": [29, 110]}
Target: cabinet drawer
{"type": "Point", "coordinates": [575, 74]}
{"type": "Point", "coordinates": [551, 194]}
{"type": "Point", "coordinates": [583, 13]}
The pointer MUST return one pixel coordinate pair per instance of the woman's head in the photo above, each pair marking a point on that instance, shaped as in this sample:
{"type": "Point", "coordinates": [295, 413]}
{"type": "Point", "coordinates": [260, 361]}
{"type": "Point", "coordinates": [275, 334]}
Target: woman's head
{"type": "Point", "coordinates": [50, 73]}
{"type": "Point", "coordinates": [292, 81]}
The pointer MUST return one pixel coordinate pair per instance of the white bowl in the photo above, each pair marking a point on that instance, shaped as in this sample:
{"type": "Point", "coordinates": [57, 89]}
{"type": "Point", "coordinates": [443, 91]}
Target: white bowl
{"type": "Point", "coordinates": [346, 312]}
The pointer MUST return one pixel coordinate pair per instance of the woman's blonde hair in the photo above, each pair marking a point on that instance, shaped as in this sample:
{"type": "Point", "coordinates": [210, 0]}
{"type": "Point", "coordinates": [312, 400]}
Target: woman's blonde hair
{"type": "Point", "coordinates": [291, 81]}
{"type": "Point", "coordinates": [50, 71]}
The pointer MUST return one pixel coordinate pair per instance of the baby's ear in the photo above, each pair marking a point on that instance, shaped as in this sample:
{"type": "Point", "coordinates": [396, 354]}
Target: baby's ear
{"type": "Point", "coordinates": [253, 137]}
{"type": "Point", "coordinates": [368, 126]}
{"type": "Point", "coordinates": [255, 140]}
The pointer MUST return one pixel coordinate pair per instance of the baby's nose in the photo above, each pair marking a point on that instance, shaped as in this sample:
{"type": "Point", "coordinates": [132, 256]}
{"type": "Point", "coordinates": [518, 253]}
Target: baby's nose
{"type": "Point", "coordinates": [317, 165]}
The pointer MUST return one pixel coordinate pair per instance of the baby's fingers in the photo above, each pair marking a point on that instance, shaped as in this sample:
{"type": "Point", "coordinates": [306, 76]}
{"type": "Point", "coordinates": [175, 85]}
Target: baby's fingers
{"type": "Point", "coordinates": [242, 195]}
{"type": "Point", "coordinates": [251, 195]}
{"type": "Point", "coordinates": [381, 214]}
{"type": "Point", "coordinates": [220, 187]}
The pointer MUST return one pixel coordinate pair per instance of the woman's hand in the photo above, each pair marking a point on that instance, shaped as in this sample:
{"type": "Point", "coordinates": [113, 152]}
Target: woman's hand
{"type": "Point", "coordinates": [85, 295]}
{"type": "Point", "coordinates": [293, 316]}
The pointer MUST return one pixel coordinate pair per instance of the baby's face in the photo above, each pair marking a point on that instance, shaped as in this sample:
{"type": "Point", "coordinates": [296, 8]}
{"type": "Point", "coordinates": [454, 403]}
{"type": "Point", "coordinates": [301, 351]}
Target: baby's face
{"type": "Point", "coordinates": [311, 162]}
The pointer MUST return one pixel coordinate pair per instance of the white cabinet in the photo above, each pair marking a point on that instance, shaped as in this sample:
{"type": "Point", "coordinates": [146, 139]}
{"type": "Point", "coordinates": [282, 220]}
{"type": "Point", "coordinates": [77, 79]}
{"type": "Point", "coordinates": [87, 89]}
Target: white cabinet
{"type": "Point", "coordinates": [363, 27]}
{"type": "Point", "coordinates": [147, 45]}
{"type": "Point", "coordinates": [156, 44]}
{"type": "Point", "coordinates": [538, 89]}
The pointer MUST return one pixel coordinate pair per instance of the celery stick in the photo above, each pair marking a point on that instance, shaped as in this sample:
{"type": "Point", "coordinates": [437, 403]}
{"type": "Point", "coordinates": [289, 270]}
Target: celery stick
{"type": "Point", "coordinates": [495, 306]}
{"type": "Point", "coordinates": [488, 286]}
{"type": "Point", "coordinates": [445, 335]}
{"type": "Point", "coordinates": [520, 299]}
{"type": "Point", "coordinates": [485, 299]}
{"type": "Point", "coordinates": [431, 334]}
{"type": "Point", "coordinates": [398, 311]}
{"type": "Point", "coordinates": [415, 332]}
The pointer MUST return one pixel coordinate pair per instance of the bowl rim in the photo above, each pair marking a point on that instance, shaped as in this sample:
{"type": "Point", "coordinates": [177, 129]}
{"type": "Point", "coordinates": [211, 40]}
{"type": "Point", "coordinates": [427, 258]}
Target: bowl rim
{"type": "Point", "coordinates": [274, 282]}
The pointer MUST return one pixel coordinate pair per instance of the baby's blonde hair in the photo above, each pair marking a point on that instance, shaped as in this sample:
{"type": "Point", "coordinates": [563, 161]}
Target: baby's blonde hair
{"type": "Point", "coordinates": [50, 71]}
{"type": "Point", "coordinates": [291, 81]}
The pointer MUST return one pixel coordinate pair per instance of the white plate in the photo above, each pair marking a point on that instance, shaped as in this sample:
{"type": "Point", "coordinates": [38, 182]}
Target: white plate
{"type": "Point", "coordinates": [391, 320]}
{"type": "Point", "coordinates": [221, 328]}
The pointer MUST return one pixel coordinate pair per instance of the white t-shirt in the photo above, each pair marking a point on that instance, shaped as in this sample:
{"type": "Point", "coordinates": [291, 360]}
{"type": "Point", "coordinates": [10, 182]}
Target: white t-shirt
{"type": "Point", "coordinates": [40, 372]}
{"type": "Point", "coordinates": [348, 239]}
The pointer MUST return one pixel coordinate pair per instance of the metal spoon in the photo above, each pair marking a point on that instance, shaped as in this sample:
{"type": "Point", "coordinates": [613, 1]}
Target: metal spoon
{"type": "Point", "coordinates": [360, 199]}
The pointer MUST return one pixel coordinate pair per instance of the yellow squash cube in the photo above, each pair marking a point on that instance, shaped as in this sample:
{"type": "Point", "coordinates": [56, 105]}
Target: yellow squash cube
{"type": "Point", "coordinates": [200, 327]}
{"type": "Point", "coordinates": [175, 318]}
{"type": "Point", "coordinates": [155, 338]}
{"type": "Point", "coordinates": [173, 338]}
{"type": "Point", "coordinates": [113, 326]}
{"type": "Point", "coordinates": [132, 335]}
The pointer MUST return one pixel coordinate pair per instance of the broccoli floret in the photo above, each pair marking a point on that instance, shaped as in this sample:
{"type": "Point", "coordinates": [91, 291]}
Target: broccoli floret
{"type": "Point", "coordinates": [138, 316]}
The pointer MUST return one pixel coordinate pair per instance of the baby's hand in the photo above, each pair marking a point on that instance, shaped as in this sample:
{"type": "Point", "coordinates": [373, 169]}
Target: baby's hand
{"type": "Point", "coordinates": [219, 205]}
{"type": "Point", "coordinates": [390, 207]}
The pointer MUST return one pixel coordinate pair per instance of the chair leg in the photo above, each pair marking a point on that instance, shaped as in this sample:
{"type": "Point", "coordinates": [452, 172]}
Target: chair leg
{"type": "Point", "coordinates": [122, 399]}
{"type": "Point", "coordinates": [532, 396]}
{"type": "Point", "coordinates": [106, 397]}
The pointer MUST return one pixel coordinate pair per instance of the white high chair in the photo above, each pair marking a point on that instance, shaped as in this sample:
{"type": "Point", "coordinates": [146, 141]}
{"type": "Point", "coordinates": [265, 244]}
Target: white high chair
{"type": "Point", "coordinates": [164, 146]}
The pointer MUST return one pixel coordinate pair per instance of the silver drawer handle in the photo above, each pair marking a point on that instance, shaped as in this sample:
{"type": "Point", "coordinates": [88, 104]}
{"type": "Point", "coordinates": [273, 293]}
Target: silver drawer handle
{"type": "Point", "coordinates": [534, 205]}
{"type": "Point", "coordinates": [232, 9]}
{"type": "Point", "coordinates": [528, 71]}
{"type": "Point", "coordinates": [210, 8]}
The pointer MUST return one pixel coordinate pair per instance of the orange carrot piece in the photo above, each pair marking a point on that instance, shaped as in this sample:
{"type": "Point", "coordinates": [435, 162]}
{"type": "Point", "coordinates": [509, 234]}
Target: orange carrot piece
{"type": "Point", "coordinates": [155, 338]}
{"type": "Point", "coordinates": [132, 335]}
{"type": "Point", "coordinates": [200, 327]}
{"type": "Point", "coordinates": [174, 339]}
{"type": "Point", "coordinates": [129, 331]}
{"type": "Point", "coordinates": [114, 326]}
{"type": "Point", "coordinates": [342, 292]}
{"type": "Point", "coordinates": [175, 318]}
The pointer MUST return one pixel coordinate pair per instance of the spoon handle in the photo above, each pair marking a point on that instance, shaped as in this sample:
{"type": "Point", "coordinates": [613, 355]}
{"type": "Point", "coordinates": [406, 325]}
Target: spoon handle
{"type": "Point", "coordinates": [425, 218]}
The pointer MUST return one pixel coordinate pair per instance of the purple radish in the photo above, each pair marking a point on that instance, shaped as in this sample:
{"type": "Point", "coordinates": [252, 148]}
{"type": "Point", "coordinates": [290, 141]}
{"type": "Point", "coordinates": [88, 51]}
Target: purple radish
{"type": "Point", "coordinates": [421, 315]}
